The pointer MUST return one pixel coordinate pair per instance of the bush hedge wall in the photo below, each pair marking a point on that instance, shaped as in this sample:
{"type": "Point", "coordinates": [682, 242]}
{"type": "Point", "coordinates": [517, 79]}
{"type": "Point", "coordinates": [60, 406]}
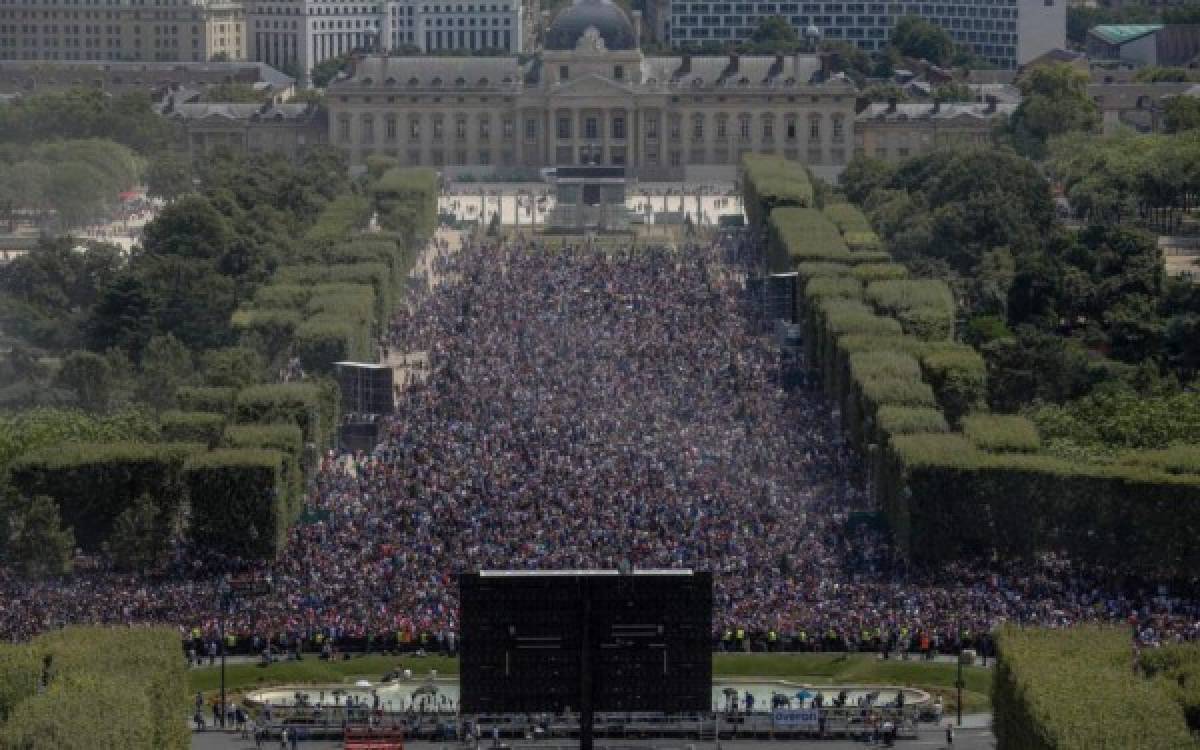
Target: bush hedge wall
{"type": "Point", "coordinates": [108, 687]}
{"type": "Point", "coordinates": [1001, 433]}
{"type": "Point", "coordinates": [406, 200]}
{"type": "Point", "coordinates": [216, 400]}
{"type": "Point", "coordinates": [1074, 689]}
{"type": "Point", "coordinates": [958, 375]}
{"type": "Point", "coordinates": [770, 182]}
{"type": "Point", "coordinates": [202, 427]}
{"type": "Point", "coordinates": [285, 438]}
{"type": "Point", "coordinates": [311, 406]}
{"type": "Point", "coordinates": [240, 501]}
{"type": "Point", "coordinates": [94, 482]}
{"type": "Point", "coordinates": [20, 676]}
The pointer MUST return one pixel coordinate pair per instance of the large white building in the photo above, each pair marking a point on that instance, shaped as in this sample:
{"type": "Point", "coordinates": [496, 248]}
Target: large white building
{"type": "Point", "coordinates": [295, 35]}
{"type": "Point", "coordinates": [592, 97]}
{"type": "Point", "coordinates": [1006, 33]}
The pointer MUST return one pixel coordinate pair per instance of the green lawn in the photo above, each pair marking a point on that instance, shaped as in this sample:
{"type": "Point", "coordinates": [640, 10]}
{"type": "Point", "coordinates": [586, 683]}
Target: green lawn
{"type": "Point", "coordinates": [808, 668]}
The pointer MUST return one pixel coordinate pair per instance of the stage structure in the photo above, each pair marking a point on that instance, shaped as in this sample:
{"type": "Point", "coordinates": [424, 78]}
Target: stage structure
{"type": "Point", "coordinates": [588, 198]}
{"type": "Point", "coordinates": [585, 641]}
{"type": "Point", "coordinates": [367, 395]}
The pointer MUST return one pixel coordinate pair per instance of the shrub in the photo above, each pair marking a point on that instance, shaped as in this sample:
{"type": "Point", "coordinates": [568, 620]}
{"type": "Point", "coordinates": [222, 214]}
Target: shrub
{"type": "Point", "coordinates": [312, 407]}
{"type": "Point", "coordinates": [1177, 459]}
{"type": "Point", "coordinates": [832, 286]}
{"type": "Point", "coordinates": [217, 400]}
{"type": "Point", "coordinates": [868, 272]}
{"type": "Point", "coordinates": [144, 665]}
{"type": "Point", "coordinates": [94, 483]}
{"type": "Point", "coordinates": [803, 234]}
{"type": "Point", "coordinates": [847, 217]}
{"type": "Point", "coordinates": [376, 275]}
{"type": "Point", "coordinates": [322, 341]}
{"type": "Point", "coordinates": [338, 218]}
{"type": "Point", "coordinates": [909, 420]}
{"type": "Point", "coordinates": [285, 438]}
{"type": "Point", "coordinates": [924, 307]}
{"type": "Point", "coordinates": [192, 427]}
{"type": "Point", "coordinates": [770, 182]}
{"type": "Point", "coordinates": [1001, 433]}
{"type": "Point", "coordinates": [958, 375]}
{"type": "Point", "coordinates": [816, 269]}
{"type": "Point", "coordinates": [1073, 689]}
{"type": "Point", "coordinates": [406, 200]}
{"type": "Point", "coordinates": [239, 501]}
{"type": "Point", "coordinates": [20, 676]}
{"type": "Point", "coordinates": [282, 296]}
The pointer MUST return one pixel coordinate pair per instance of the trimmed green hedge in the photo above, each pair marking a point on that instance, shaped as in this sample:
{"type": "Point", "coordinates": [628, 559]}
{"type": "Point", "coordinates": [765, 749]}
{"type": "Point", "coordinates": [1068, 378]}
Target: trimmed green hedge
{"type": "Point", "coordinates": [192, 427]}
{"type": "Point", "coordinates": [1074, 689]}
{"type": "Point", "coordinates": [1001, 433]}
{"type": "Point", "coordinates": [868, 272]}
{"type": "Point", "coordinates": [924, 307]}
{"type": "Point", "coordinates": [958, 375]}
{"type": "Point", "coordinates": [94, 482]}
{"type": "Point", "coordinates": [240, 502]}
{"type": "Point", "coordinates": [311, 406]}
{"type": "Point", "coordinates": [285, 438]}
{"type": "Point", "coordinates": [338, 218]}
{"type": "Point", "coordinates": [217, 400]}
{"type": "Point", "coordinates": [948, 499]}
{"type": "Point", "coordinates": [376, 275]}
{"type": "Point", "coordinates": [847, 217]}
{"type": "Point", "coordinates": [797, 235]}
{"type": "Point", "coordinates": [833, 286]}
{"type": "Point", "coordinates": [282, 296]}
{"type": "Point", "coordinates": [321, 341]}
{"type": "Point", "coordinates": [770, 182]}
{"type": "Point", "coordinates": [20, 676]}
{"type": "Point", "coordinates": [406, 200]}
{"type": "Point", "coordinates": [909, 420]}
{"type": "Point", "coordinates": [109, 687]}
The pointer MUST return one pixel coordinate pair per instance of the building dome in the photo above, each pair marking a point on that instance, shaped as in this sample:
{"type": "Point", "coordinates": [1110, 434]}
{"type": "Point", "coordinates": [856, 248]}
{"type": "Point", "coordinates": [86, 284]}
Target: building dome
{"type": "Point", "coordinates": [609, 20]}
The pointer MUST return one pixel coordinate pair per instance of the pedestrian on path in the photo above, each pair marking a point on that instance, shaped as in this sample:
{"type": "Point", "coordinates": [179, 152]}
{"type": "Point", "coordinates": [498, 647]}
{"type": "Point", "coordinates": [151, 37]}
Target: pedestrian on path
{"type": "Point", "coordinates": [949, 734]}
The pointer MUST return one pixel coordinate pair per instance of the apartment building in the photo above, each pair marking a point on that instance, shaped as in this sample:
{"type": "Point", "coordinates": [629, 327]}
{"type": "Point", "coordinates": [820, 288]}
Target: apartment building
{"type": "Point", "coordinates": [1006, 33]}
{"type": "Point", "coordinates": [119, 30]}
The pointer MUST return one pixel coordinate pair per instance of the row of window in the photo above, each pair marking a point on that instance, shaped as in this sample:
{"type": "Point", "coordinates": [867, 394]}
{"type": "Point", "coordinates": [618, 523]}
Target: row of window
{"type": "Point", "coordinates": [591, 127]}
{"type": "Point", "coordinates": [615, 156]}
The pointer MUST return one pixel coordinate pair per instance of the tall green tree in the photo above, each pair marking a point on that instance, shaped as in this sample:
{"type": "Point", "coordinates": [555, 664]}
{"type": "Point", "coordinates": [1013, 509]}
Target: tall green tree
{"type": "Point", "coordinates": [1181, 113]}
{"type": "Point", "coordinates": [35, 541]}
{"type": "Point", "coordinates": [1054, 100]}
{"type": "Point", "coordinates": [166, 365]}
{"type": "Point", "coordinates": [913, 36]}
{"type": "Point", "coordinates": [90, 378]}
{"type": "Point", "coordinates": [124, 317]}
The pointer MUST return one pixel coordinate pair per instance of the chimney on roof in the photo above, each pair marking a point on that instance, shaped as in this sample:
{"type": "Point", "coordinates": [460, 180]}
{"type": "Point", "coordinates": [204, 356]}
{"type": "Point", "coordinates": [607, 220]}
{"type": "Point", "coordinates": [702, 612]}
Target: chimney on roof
{"type": "Point", "coordinates": [686, 65]}
{"type": "Point", "coordinates": [937, 106]}
{"type": "Point", "coordinates": [891, 109]}
{"type": "Point", "coordinates": [637, 26]}
{"type": "Point", "coordinates": [991, 105]}
{"type": "Point", "coordinates": [731, 67]}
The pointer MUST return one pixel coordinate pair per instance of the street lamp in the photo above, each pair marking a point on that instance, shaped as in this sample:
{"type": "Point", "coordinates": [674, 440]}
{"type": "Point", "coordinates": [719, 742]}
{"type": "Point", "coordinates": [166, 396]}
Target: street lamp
{"type": "Point", "coordinates": [959, 682]}
{"type": "Point", "coordinates": [224, 604]}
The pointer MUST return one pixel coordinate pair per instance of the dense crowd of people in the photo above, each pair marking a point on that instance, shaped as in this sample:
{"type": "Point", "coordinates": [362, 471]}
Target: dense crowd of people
{"type": "Point", "coordinates": [595, 409]}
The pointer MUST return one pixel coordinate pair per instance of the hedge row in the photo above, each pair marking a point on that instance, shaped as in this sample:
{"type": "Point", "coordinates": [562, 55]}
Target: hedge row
{"type": "Point", "coordinates": [947, 499]}
{"type": "Point", "coordinates": [202, 427]}
{"type": "Point", "coordinates": [285, 438]}
{"type": "Point", "coordinates": [406, 201]}
{"type": "Point", "coordinates": [107, 688]}
{"type": "Point", "coordinates": [240, 504]}
{"type": "Point", "coordinates": [94, 482]}
{"type": "Point", "coordinates": [769, 183]}
{"type": "Point", "coordinates": [311, 406]}
{"type": "Point", "coordinates": [1074, 689]}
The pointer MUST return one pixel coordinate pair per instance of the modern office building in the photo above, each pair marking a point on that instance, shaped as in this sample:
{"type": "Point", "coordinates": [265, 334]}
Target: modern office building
{"type": "Point", "coordinates": [295, 35]}
{"type": "Point", "coordinates": [592, 98]}
{"type": "Point", "coordinates": [1006, 33]}
{"type": "Point", "coordinates": [113, 30]}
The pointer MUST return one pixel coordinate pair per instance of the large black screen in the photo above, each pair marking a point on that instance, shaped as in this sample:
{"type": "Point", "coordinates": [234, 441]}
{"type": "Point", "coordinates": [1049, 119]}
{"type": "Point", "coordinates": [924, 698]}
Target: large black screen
{"type": "Point", "coordinates": [647, 639]}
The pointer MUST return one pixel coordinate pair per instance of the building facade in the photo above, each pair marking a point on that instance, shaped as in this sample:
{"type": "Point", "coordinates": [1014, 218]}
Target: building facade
{"type": "Point", "coordinates": [112, 30]}
{"type": "Point", "coordinates": [593, 98]}
{"type": "Point", "coordinates": [225, 30]}
{"type": "Point", "coordinates": [286, 129]}
{"type": "Point", "coordinates": [892, 131]}
{"type": "Point", "coordinates": [1006, 33]}
{"type": "Point", "coordinates": [296, 35]}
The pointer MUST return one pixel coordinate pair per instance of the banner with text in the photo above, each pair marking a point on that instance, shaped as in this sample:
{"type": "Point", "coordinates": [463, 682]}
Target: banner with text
{"type": "Point", "coordinates": [804, 719]}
